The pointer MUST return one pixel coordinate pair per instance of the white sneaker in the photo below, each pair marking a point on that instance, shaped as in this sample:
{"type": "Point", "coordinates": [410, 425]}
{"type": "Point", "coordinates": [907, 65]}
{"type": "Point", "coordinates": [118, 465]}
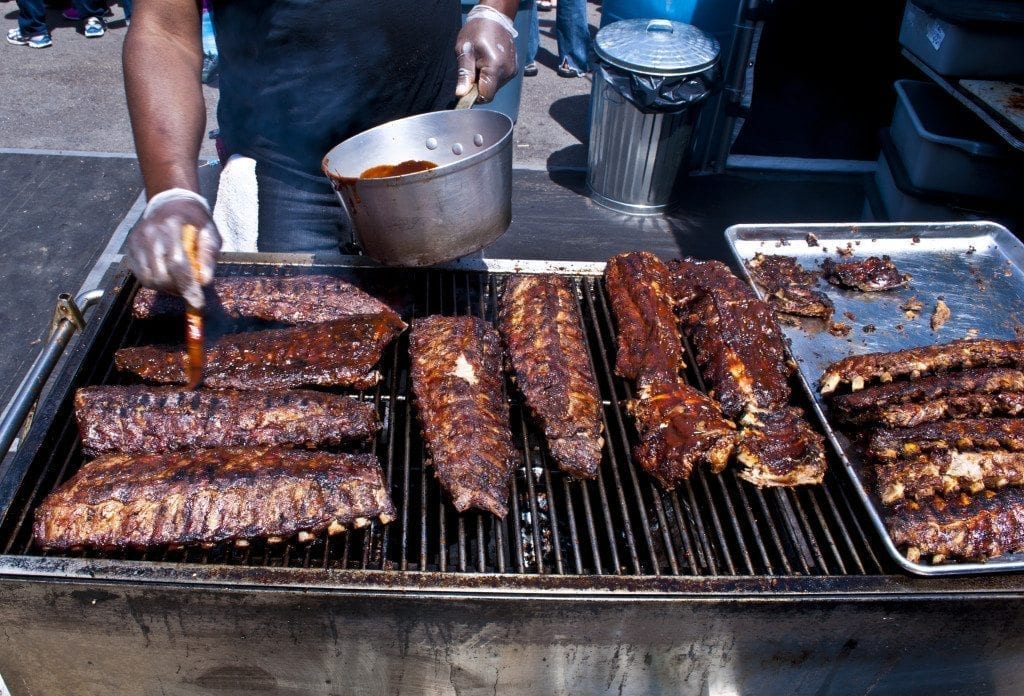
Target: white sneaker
{"type": "Point", "coordinates": [94, 28]}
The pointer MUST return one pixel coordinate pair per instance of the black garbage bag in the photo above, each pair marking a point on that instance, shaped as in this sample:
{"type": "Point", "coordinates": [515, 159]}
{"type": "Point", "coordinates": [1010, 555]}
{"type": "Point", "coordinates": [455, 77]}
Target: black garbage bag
{"type": "Point", "coordinates": [657, 93]}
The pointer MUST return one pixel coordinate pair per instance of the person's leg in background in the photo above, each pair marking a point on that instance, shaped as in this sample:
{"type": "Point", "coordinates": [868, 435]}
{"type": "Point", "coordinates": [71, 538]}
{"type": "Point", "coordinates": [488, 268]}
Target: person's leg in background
{"type": "Point", "coordinates": [573, 34]}
{"type": "Point", "coordinates": [92, 13]}
{"type": "Point", "coordinates": [32, 29]}
{"type": "Point", "coordinates": [210, 55]}
{"type": "Point", "coordinates": [533, 45]}
{"type": "Point", "coordinates": [127, 6]}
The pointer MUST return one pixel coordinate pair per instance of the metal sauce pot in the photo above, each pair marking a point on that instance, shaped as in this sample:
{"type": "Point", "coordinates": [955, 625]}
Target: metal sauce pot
{"type": "Point", "coordinates": [431, 214]}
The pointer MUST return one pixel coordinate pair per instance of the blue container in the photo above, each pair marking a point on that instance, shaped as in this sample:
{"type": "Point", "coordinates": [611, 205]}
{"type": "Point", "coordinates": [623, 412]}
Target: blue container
{"type": "Point", "coordinates": [507, 99]}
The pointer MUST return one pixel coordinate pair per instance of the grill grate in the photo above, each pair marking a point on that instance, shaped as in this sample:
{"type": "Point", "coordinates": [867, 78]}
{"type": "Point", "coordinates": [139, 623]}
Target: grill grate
{"type": "Point", "coordinates": [620, 524]}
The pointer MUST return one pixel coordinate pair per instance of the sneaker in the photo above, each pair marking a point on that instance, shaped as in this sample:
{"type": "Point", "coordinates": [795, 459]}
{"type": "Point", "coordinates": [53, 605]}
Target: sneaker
{"type": "Point", "coordinates": [94, 28]}
{"type": "Point", "coordinates": [14, 36]}
{"type": "Point", "coordinates": [530, 69]}
{"type": "Point", "coordinates": [566, 70]}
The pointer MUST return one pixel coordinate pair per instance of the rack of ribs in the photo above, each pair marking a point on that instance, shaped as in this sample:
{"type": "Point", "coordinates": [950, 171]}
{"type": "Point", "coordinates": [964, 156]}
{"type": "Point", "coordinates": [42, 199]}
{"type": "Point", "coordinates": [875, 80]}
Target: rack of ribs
{"type": "Point", "coordinates": [342, 352]}
{"type": "Point", "coordinates": [872, 274]}
{"type": "Point", "coordinates": [210, 496]}
{"type": "Point", "coordinates": [290, 300]}
{"type": "Point", "coordinates": [780, 448]}
{"type": "Point", "coordinates": [649, 343]}
{"type": "Point", "coordinates": [963, 526]}
{"type": "Point", "coordinates": [928, 398]}
{"type": "Point", "coordinates": [738, 345]}
{"type": "Point", "coordinates": [889, 444]}
{"type": "Point", "coordinates": [858, 370]}
{"type": "Point", "coordinates": [540, 325]}
{"type": "Point", "coordinates": [457, 381]}
{"type": "Point", "coordinates": [789, 286]}
{"type": "Point", "coordinates": [741, 354]}
{"type": "Point", "coordinates": [139, 419]}
{"type": "Point", "coordinates": [677, 425]}
{"type": "Point", "coordinates": [946, 472]}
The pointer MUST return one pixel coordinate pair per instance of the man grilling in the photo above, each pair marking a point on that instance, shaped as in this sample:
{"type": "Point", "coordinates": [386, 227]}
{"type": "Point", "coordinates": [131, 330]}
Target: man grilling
{"type": "Point", "coordinates": [297, 77]}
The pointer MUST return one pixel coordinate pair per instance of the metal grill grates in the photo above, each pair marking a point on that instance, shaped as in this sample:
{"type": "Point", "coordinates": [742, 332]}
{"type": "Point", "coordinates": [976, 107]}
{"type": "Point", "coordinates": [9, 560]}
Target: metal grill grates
{"type": "Point", "coordinates": [620, 524]}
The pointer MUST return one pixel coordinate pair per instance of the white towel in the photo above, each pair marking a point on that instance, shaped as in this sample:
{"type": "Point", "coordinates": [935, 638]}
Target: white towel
{"type": "Point", "coordinates": [236, 212]}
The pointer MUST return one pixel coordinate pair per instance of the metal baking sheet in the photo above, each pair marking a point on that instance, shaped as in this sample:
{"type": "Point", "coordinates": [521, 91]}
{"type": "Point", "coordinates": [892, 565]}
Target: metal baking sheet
{"type": "Point", "coordinates": [976, 267]}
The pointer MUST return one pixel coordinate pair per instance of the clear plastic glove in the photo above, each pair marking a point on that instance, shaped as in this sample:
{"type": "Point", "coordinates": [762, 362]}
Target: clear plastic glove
{"type": "Point", "coordinates": [486, 51]}
{"type": "Point", "coordinates": [156, 253]}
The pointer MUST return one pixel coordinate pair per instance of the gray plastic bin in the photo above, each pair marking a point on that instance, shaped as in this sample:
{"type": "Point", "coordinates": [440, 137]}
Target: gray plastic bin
{"type": "Point", "coordinates": [946, 148]}
{"type": "Point", "coordinates": [966, 39]}
{"type": "Point", "coordinates": [901, 202]}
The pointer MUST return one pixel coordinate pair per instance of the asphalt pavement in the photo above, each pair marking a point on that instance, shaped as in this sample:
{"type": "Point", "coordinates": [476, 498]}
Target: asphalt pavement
{"type": "Point", "coordinates": [70, 97]}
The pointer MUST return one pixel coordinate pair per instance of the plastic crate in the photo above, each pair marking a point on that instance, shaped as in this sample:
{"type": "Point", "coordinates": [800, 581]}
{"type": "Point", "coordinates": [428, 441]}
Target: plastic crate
{"type": "Point", "coordinates": [945, 148]}
{"type": "Point", "coordinates": [966, 39]}
{"type": "Point", "coordinates": [899, 201]}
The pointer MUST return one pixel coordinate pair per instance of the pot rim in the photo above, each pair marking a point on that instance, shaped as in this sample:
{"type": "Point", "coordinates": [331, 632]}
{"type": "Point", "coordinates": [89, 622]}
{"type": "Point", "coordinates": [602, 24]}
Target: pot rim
{"type": "Point", "coordinates": [491, 150]}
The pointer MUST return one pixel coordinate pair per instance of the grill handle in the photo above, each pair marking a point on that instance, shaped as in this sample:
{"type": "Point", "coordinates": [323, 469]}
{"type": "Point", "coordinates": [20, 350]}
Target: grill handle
{"type": "Point", "coordinates": [67, 319]}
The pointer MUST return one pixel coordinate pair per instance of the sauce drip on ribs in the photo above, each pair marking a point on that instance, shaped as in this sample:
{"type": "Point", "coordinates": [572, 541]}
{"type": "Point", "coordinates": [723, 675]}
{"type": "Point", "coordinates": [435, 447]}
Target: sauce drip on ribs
{"type": "Point", "coordinates": [540, 325]}
{"type": "Point", "coordinates": [678, 425]}
{"type": "Point", "coordinates": [335, 353]}
{"type": "Point", "coordinates": [293, 300]}
{"type": "Point", "coordinates": [740, 352]}
{"type": "Point", "coordinates": [209, 496]}
{"type": "Point", "coordinates": [138, 419]}
{"type": "Point", "coordinates": [457, 381]}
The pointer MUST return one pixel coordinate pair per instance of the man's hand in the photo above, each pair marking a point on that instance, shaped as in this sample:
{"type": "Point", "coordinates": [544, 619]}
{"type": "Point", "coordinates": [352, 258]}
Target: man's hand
{"type": "Point", "coordinates": [155, 250]}
{"type": "Point", "coordinates": [486, 51]}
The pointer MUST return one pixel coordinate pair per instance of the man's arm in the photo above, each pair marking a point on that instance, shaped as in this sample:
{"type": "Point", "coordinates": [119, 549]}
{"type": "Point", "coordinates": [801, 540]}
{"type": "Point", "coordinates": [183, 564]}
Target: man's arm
{"type": "Point", "coordinates": [163, 59]}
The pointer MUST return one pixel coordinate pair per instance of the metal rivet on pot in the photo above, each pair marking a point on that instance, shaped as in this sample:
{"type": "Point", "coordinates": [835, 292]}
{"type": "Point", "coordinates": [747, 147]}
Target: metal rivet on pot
{"type": "Point", "coordinates": [431, 143]}
{"type": "Point", "coordinates": [457, 149]}
{"type": "Point", "coordinates": [478, 140]}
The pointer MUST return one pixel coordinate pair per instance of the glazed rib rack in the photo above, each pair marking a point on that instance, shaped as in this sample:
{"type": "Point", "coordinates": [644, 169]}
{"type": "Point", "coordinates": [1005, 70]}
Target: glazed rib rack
{"type": "Point", "coordinates": [621, 524]}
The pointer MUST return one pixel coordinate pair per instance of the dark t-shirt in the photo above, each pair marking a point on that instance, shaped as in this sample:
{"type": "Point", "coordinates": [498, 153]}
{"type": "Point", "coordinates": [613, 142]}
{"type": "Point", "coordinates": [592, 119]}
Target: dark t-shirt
{"type": "Point", "coordinates": [298, 77]}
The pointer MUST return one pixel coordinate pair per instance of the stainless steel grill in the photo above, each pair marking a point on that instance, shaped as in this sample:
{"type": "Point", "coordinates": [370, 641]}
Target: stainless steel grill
{"type": "Point", "coordinates": [622, 524]}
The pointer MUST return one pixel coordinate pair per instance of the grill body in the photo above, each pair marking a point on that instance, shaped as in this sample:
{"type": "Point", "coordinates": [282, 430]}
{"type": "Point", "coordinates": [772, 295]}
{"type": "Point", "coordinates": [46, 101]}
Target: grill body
{"type": "Point", "coordinates": [585, 587]}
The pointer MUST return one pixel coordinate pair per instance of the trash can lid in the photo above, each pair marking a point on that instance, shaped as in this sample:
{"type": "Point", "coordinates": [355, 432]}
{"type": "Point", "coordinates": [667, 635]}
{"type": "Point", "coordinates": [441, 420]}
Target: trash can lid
{"type": "Point", "coordinates": [656, 47]}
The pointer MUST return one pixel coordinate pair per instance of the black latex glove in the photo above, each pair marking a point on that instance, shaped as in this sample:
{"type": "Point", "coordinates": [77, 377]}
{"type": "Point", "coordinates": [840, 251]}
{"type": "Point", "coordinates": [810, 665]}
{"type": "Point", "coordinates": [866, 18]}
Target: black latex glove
{"type": "Point", "coordinates": [157, 256]}
{"type": "Point", "coordinates": [487, 56]}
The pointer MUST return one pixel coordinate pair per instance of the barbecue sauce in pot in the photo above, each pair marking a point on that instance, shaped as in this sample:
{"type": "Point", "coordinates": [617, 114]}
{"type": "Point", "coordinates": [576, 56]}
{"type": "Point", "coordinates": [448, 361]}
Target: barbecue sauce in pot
{"type": "Point", "coordinates": [407, 167]}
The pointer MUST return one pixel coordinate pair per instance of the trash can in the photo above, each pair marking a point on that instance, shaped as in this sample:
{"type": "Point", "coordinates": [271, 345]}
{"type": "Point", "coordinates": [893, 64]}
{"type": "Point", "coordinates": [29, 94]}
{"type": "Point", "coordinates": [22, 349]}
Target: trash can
{"type": "Point", "coordinates": [651, 79]}
{"type": "Point", "coordinates": [508, 97]}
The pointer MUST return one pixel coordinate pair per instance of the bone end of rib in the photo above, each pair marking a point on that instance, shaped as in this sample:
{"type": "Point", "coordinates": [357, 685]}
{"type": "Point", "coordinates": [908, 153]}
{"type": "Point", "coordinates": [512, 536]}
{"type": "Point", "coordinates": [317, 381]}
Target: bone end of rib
{"type": "Point", "coordinates": [274, 540]}
{"type": "Point", "coordinates": [241, 543]}
{"type": "Point", "coordinates": [829, 383]}
{"type": "Point", "coordinates": [306, 537]}
{"type": "Point", "coordinates": [857, 383]}
{"type": "Point", "coordinates": [334, 528]}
